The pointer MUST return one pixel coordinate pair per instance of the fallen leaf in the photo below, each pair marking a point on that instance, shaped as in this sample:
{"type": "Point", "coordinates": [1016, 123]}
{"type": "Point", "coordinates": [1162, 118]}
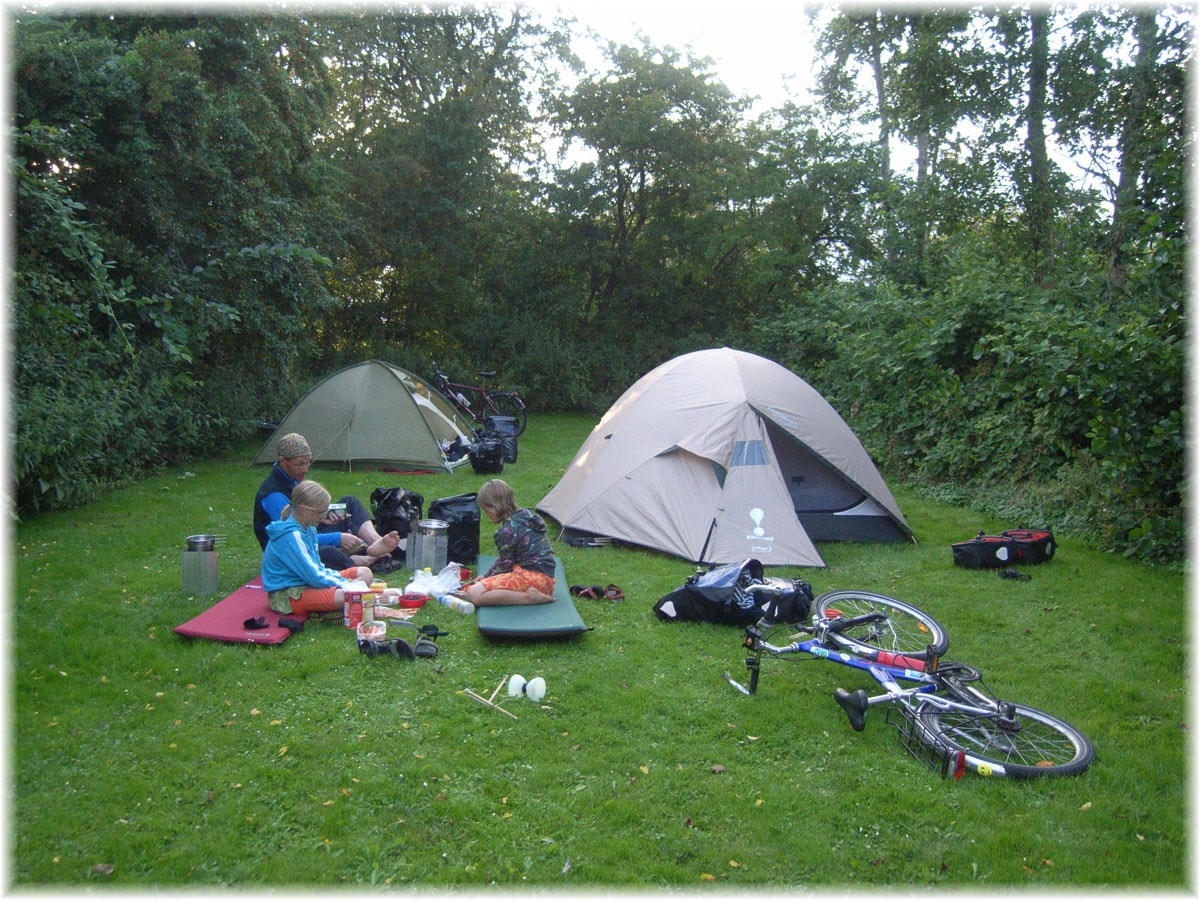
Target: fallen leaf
{"type": "Point", "coordinates": [688, 822]}
{"type": "Point", "coordinates": [283, 750]}
{"type": "Point", "coordinates": [717, 769]}
{"type": "Point", "coordinates": [644, 770]}
{"type": "Point", "coordinates": [704, 876]}
{"type": "Point", "coordinates": [758, 802]}
{"type": "Point", "coordinates": [1141, 837]}
{"type": "Point", "coordinates": [566, 869]}
{"type": "Point", "coordinates": [1086, 806]}
{"type": "Point", "coordinates": [734, 864]}
{"type": "Point", "coordinates": [103, 868]}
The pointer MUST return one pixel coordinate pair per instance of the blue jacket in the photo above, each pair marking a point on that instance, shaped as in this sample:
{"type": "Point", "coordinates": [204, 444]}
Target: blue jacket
{"type": "Point", "coordinates": [273, 495]}
{"type": "Point", "coordinates": [291, 559]}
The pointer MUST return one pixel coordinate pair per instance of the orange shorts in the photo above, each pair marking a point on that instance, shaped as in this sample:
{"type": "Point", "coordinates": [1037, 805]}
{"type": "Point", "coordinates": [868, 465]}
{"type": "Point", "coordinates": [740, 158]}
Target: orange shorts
{"type": "Point", "coordinates": [518, 580]}
{"type": "Point", "coordinates": [309, 600]}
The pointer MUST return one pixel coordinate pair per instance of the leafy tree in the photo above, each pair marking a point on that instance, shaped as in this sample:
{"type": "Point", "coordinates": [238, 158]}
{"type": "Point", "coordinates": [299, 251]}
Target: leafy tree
{"type": "Point", "coordinates": [432, 107]}
{"type": "Point", "coordinates": [652, 211]}
{"type": "Point", "coordinates": [165, 145]}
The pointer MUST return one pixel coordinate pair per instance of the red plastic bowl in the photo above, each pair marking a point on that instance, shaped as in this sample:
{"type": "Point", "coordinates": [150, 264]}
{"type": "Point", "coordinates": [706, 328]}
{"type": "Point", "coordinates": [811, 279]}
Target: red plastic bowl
{"type": "Point", "coordinates": [411, 601]}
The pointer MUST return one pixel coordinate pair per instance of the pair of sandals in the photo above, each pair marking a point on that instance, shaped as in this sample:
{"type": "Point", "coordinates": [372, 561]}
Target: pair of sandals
{"type": "Point", "coordinates": [425, 646]}
{"type": "Point", "coordinates": [260, 622]}
{"type": "Point", "coordinates": [611, 593]}
{"type": "Point", "coordinates": [399, 648]}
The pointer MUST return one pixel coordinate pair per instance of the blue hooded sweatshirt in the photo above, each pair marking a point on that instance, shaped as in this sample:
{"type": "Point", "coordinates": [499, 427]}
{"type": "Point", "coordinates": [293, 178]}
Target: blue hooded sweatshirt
{"type": "Point", "coordinates": [291, 559]}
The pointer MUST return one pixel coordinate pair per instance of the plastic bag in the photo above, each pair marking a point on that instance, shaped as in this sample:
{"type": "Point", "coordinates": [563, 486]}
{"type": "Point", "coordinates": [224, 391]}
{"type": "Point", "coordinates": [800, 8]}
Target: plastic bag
{"type": "Point", "coordinates": [436, 586]}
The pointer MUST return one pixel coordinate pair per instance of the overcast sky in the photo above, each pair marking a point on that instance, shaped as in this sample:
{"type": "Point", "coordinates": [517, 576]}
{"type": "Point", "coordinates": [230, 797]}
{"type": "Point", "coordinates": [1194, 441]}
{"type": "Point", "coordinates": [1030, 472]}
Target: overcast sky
{"type": "Point", "coordinates": [761, 47]}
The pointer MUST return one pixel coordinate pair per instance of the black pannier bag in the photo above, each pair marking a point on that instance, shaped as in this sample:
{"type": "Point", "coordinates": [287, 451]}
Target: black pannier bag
{"type": "Point", "coordinates": [1028, 546]}
{"type": "Point", "coordinates": [487, 456]}
{"type": "Point", "coordinates": [395, 509]}
{"type": "Point", "coordinates": [503, 429]}
{"type": "Point", "coordinates": [721, 595]}
{"type": "Point", "coordinates": [461, 513]}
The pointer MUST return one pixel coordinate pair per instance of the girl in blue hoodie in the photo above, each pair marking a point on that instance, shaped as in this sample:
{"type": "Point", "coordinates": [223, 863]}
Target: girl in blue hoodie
{"type": "Point", "coordinates": [293, 575]}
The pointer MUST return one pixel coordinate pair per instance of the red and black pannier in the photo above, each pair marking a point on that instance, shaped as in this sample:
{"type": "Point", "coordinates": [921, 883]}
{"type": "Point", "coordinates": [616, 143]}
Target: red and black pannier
{"type": "Point", "coordinates": [1025, 546]}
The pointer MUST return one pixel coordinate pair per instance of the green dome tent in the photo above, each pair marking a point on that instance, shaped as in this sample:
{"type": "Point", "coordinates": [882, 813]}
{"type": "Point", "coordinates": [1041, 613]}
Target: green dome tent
{"type": "Point", "coordinates": [373, 414]}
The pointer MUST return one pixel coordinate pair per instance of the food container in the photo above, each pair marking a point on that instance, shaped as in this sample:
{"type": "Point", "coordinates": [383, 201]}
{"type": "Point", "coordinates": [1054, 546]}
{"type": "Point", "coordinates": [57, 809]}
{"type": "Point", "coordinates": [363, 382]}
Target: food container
{"type": "Point", "coordinates": [411, 601]}
{"type": "Point", "coordinates": [352, 607]}
{"type": "Point", "coordinates": [371, 631]}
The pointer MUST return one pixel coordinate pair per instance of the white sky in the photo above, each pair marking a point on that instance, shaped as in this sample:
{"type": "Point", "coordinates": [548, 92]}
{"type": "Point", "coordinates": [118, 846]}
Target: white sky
{"type": "Point", "coordinates": [761, 48]}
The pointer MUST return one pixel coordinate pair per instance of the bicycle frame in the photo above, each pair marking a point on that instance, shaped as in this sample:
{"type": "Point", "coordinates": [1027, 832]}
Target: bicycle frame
{"type": "Point", "coordinates": [888, 670]}
{"type": "Point", "coordinates": [453, 391]}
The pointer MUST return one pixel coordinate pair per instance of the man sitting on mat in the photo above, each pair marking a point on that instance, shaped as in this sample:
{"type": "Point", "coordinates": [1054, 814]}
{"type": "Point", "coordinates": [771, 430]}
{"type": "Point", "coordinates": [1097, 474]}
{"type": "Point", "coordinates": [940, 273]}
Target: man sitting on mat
{"type": "Point", "coordinates": [335, 543]}
{"type": "Point", "coordinates": [524, 569]}
{"type": "Point", "coordinates": [293, 575]}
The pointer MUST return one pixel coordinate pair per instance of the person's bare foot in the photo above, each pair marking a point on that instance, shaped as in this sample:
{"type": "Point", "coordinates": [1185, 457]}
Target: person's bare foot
{"type": "Point", "coordinates": [384, 545]}
{"type": "Point", "coordinates": [536, 596]}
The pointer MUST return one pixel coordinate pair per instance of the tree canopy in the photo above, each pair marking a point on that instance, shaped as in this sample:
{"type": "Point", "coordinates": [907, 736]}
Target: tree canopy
{"type": "Point", "coordinates": [215, 210]}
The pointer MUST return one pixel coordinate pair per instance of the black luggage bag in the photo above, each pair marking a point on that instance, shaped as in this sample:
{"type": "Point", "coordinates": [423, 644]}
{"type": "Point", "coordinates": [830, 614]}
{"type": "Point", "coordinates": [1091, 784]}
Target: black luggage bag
{"type": "Point", "coordinates": [461, 513]}
{"type": "Point", "coordinates": [723, 595]}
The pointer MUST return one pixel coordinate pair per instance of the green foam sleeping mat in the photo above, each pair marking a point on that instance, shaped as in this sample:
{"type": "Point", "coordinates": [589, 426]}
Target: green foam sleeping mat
{"type": "Point", "coordinates": [536, 622]}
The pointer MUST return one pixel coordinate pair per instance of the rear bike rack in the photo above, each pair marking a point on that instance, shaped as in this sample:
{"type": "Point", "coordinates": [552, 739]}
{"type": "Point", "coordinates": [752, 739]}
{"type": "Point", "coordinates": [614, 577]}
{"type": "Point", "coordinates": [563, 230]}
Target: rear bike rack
{"type": "Point", "coordinates": [913, 739]}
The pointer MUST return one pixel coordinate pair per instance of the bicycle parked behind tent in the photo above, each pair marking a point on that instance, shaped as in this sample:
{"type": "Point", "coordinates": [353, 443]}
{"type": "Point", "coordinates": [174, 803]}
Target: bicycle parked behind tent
{"type": "Point", "coordinates": [479, 402]}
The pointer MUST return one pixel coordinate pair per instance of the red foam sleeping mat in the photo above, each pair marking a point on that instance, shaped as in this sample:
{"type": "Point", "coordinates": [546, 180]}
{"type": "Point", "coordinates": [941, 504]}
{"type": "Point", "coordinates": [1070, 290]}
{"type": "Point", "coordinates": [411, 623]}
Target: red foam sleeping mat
{"type": "Point", "coordinates": [226, 620]}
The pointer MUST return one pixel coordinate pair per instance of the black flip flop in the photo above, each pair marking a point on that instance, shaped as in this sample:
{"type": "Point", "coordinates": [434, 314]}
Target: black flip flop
{"type": "Point", "coordinates": [292, 625]}
{"type": "Point", "coordinates": [255, 624]}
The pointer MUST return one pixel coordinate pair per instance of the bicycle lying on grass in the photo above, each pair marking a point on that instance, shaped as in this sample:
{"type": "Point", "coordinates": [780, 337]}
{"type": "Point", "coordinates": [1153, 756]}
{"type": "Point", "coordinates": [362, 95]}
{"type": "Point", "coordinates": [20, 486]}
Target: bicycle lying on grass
{"type": "Point", "coordinates": [478, 402]}
{"type": "Point", "coordinates": [949, 717]}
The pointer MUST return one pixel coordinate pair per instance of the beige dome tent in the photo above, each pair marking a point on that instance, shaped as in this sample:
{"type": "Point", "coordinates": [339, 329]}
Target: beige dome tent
{"type": "Point", "coordinates": [719, 456]}
{"type": "Point", "coordinates": [373, 414]}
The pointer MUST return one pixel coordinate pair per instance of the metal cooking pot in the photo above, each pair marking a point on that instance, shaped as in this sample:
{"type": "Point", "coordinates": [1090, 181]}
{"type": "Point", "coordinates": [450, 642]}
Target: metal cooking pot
{"type": "Point", "coordinates": [203, 541]}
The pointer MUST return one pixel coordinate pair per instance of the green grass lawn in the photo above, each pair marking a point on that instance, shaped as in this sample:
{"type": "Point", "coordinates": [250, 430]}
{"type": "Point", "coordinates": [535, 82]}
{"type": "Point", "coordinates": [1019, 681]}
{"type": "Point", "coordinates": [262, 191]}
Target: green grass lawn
{"type": "Point", "coordinates": [141, 758]}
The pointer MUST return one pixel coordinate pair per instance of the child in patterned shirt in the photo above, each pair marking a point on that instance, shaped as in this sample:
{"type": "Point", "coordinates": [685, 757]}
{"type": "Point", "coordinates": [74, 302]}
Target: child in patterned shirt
{"type": "Point", "coordinates": [524, 569]}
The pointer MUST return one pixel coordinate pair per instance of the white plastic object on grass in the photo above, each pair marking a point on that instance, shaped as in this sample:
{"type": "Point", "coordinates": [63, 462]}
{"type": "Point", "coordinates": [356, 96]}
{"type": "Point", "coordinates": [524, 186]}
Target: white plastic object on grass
{"type": "Point", "coordinates": [534, 688]}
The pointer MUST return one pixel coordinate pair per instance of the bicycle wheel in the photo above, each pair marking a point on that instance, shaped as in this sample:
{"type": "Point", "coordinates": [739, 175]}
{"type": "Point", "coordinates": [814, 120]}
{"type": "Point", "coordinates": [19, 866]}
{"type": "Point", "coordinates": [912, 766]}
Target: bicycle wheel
{"type": "Point", "coordinates": [1022, 743]}
{"type": "Point", "coordinates": [510, 403]}
{"type": "Point", "coordinates": [904, 629]}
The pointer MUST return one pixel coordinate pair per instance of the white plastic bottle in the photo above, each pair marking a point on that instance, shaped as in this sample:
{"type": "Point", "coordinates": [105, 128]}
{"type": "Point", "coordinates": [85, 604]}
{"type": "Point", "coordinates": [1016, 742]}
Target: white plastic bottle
{"type": "Point", "coordinates": [458, 604]}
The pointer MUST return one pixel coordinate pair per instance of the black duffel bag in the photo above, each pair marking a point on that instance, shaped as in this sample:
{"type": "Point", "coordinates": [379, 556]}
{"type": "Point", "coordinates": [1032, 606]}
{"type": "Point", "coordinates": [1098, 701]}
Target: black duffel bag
{"type": "Point", "coordinates": [722, 595]}
{"type": "Point", "coordinates": [395, 509]}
